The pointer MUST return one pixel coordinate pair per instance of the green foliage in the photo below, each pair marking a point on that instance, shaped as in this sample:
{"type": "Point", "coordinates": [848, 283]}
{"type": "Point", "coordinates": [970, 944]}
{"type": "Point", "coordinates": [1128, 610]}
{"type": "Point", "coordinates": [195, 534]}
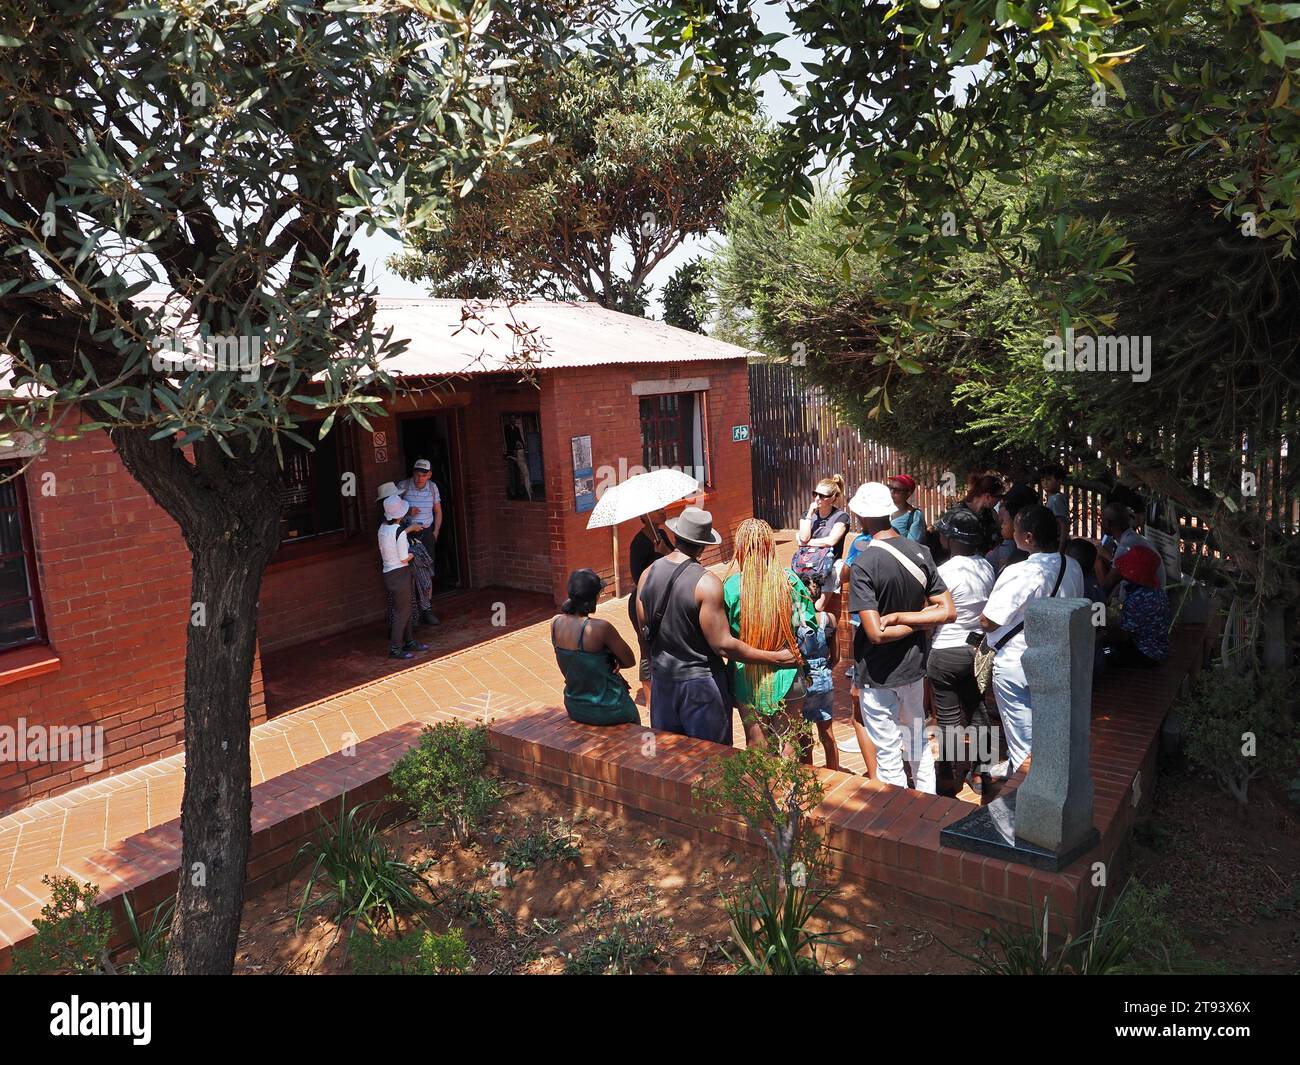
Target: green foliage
{"type": "Point", "coordinates": [72, 933]}
{"type": "Point", "coordinates": [1241, 726]}
{"type": "Point", "coordinates": [242, 147]}
{"type": "Point", "coordinates": [355, 873]}
{"type": "Point", "coordinates": [149, 938]}
{"type": "Point", "coordinates": [685, 296]}
{"type": "Point", "coordinates": [773, 795]}
{"type": "Point", "coordinates": [628, 168]}
{"type": "Point", "coordinates": [621, 951]}
{"type": "Point", "coordinates": [475, 907]}
{"type": "Point", "coordinates": [916, 104]}
{"type": "Point", "coordinates": [442, 779]}
{"type": "Point", "coordinates": [554, 843]}
{"type": "Point", "coordinates": [1134, 937]}
{"type": "Point", "coordinates": [420, 953]}
{"type": "Point", "coordinates": [769, 928]}
{"type": "Point", "coordinates": [969, 390]}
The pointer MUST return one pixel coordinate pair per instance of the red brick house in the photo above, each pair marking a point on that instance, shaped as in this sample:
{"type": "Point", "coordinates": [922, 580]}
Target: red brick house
{"type": "Point", "coordinates": [94, 577]}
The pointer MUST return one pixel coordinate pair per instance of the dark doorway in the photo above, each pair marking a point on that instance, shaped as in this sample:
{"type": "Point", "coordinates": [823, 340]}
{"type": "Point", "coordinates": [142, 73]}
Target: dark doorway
{"type": "Point", "coordinates": [433, 437]}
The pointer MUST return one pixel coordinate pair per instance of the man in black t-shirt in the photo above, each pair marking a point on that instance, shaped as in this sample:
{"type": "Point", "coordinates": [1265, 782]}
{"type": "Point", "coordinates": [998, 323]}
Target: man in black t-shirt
{"type": "Point", "coordinates": [897, 594]}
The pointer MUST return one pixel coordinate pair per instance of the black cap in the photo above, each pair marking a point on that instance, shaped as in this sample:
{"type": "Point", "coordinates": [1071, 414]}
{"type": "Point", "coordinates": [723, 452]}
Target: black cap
{"type": "Point", "coordinates": [961, 524]}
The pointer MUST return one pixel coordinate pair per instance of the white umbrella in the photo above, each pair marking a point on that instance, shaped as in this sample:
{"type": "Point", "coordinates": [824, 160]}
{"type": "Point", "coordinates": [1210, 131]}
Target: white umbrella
{"type": "Point", "coordinates": [642, 494]}
{"type": "Point", "coordinates": [639, 495]}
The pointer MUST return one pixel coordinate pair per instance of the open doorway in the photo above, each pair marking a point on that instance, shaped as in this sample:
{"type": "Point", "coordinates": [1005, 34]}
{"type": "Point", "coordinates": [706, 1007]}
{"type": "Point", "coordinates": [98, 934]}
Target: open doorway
{"type": "Point", "coordinates": [433, 437]}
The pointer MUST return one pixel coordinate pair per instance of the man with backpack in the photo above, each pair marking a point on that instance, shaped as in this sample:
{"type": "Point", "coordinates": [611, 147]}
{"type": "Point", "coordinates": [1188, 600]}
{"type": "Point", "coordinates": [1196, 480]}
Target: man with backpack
{"type": "Point", "coordinates": [684, 622]}
{"type": "Point", "coordinates": [897, 595]}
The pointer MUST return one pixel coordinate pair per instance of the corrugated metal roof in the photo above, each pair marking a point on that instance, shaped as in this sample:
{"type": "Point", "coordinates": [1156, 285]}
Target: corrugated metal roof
{"type": "Point", "coordinates": [451, 337]}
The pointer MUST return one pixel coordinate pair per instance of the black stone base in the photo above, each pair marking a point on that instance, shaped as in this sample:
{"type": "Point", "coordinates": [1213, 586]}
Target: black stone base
{"type": "Point", "coordinates": [991, 831]}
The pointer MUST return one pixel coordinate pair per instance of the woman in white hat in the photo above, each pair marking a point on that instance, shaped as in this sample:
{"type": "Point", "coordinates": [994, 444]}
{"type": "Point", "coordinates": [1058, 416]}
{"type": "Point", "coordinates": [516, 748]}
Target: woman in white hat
{"type": "Point", "coordinates": [395, 554]}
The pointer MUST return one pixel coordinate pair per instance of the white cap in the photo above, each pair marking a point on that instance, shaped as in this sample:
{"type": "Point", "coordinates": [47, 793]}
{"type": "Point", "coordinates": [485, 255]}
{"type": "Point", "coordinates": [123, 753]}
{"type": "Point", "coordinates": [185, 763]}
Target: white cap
{"type": "Point", "coordinates": [872, 500]}
{"type": "Point", "coordinates": [395, 507]}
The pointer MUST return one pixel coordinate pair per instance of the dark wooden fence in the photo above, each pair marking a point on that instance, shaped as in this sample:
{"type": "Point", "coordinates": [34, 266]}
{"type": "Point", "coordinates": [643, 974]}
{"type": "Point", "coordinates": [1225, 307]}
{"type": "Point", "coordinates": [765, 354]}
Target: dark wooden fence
{"type": "Point", "coordinates": [797, 438]}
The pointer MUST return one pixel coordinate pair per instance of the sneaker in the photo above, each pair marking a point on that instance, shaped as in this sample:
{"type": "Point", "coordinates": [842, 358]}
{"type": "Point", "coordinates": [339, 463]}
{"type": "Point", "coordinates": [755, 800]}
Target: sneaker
{"type": "Point", "coordinates": [397, 652]}
{"type": "Point", "coordinates": [412, 645]}
{"type": "Point", "coordinates": [428, 617]}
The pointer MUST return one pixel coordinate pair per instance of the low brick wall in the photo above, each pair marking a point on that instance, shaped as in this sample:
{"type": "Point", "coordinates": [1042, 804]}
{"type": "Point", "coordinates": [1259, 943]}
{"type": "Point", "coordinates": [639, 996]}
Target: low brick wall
{"type": "Point", "coordinates": [287, 810]}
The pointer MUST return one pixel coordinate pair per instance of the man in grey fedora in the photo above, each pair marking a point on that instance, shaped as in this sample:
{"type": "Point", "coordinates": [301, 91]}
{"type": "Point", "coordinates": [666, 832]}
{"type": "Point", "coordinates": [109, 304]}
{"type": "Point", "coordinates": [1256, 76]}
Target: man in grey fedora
{"type": "Point", "coordinates": [680, 609]}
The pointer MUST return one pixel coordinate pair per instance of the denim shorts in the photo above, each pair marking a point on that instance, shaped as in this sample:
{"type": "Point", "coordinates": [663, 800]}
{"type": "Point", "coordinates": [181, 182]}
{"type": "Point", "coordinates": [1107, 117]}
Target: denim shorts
{"type": "Point", "coordinates": [817, 706]}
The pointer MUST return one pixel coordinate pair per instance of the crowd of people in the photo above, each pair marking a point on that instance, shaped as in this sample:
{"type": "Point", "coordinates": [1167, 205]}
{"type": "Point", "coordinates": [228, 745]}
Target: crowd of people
{"type": "Point", "coordinates": [936, 612]}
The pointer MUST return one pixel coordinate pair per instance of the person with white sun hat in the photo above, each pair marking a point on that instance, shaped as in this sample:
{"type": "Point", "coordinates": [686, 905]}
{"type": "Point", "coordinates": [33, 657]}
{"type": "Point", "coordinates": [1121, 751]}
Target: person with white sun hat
{"type": "Point", "coordinates": [898, 596]}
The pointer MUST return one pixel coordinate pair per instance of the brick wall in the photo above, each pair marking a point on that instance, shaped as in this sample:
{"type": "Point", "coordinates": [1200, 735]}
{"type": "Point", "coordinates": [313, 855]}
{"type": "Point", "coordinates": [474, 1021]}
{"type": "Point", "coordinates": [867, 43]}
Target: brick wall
{"type": "Point", "coordinates": [598, 400]}
{"type": "Point", "coordinates": [114, 575]}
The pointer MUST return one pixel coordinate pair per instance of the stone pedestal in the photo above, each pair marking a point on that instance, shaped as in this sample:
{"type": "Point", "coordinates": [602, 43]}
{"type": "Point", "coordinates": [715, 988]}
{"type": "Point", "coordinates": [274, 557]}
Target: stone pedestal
{"type": "Point", "coordinates": [1047, 821]}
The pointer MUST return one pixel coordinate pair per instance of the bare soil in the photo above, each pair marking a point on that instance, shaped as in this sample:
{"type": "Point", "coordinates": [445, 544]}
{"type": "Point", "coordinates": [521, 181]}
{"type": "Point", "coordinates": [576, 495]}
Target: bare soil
{"type": "Point", "coordinates": [1233, 877]}
{"type": "Point", "coordinates": [668, 887]}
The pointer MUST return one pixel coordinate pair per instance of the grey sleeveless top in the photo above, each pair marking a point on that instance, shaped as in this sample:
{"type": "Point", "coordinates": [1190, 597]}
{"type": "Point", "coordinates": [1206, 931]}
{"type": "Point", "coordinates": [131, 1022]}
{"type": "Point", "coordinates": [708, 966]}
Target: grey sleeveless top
{"type": "Point", "coordinates": [681, 652]}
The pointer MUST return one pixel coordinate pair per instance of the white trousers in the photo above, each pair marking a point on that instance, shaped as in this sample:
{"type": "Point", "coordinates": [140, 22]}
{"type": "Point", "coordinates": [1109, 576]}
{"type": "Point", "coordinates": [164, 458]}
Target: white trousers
{"type": "Point", "coordinates": [1011, 691]}
{"type": "Point", "coordinates": [895, 720]}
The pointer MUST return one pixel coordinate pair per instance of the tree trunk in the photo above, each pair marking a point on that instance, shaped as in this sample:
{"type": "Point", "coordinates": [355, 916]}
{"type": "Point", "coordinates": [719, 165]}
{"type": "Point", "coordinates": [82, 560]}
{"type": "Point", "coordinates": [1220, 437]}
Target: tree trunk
{"type": "Point", "coordinates": [216, 824]}
{"type": "Point", "coordinates": [228, 510]}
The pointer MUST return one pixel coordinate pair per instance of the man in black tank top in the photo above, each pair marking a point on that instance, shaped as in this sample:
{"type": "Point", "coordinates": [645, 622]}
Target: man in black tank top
{"type": "Point", "coordinates": [689, 693]}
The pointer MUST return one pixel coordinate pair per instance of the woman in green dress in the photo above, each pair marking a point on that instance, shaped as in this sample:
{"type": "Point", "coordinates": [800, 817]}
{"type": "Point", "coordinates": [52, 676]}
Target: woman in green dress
{"type": "Point", "coordinates": [590, 652]}
{"type": "Point", "coordinates": [766, 606]}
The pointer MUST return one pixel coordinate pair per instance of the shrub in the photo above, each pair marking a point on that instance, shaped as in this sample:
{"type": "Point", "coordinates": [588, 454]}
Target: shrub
{"type": "Point", "coordinates": [442, 779]}
{"type": "Point", "coordinates": [1240, 727]}
{"type": "Point", "coordinates": [769, 927]}
{"type": "Point", "coordinates": [1135, 937]}
{"type": "Point", "coordinates": [417, 954]}
{"type": "Point", "coordinates": [150, 938]}
{"type": "Point", "coordinates": [72, 933]}
{"type": "Point", "coordinates": [554, 843]}
{"type": "Point", "coordinates": [356, 872]}
{"type": "Point", "coordinates": [773, 794]}
{"type": "Point", "coordinates": [622, 950]}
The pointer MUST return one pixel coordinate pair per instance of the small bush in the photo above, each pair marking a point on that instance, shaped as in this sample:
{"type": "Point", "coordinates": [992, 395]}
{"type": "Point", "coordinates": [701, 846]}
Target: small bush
{"type": "Point", "coordinates": [442, 779]}
{"type": "Point", "coordinates": [356, 872]}
{"type": "Point", "coordinates": [622, 950]}
{"type": "Point", "coordinates": [555, 843]}
{"type": "Point", "coordinates": [149, 938]}
{"type": "Point", "coordinates": [1240, 727]}
{"type": "Point", "coordinates": [418, 954]}
{"type": "Point", "coordinates": [1135, 937]}
{"type": "Point", "coordinates": [769, 929]}
{"type": "Point", "coordinates": [72, 933]}
{"type": "Point", "coordinates": [773, 794]}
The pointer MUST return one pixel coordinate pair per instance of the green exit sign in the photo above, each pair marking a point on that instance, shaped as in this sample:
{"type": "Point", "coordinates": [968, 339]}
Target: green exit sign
{"type": "Point", "coordinates": [739, 433]}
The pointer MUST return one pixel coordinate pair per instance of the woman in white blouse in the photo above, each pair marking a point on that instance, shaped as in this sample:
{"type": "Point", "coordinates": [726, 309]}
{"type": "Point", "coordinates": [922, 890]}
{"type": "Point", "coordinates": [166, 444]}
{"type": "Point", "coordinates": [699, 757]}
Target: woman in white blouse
{"type": "Point", "coordinates": [1045, 572]}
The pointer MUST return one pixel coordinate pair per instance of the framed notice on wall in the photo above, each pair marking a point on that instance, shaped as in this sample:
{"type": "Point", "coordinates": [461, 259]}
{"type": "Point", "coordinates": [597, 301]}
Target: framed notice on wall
{"type": "Point", "coordinates": [584, 480]}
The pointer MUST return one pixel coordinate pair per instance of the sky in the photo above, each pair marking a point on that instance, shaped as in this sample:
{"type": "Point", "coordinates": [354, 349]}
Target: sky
{"type": "Point", "coordinates": [375, 248]}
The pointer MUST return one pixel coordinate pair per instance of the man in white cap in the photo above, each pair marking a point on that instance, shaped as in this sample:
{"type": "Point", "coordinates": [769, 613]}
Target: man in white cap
{"type": "Point", "coordinates": [425, 520]}
{"type": "Point", "coordinates": [897, 594]}
{"type": "Point", "coordinates": [684, 622]}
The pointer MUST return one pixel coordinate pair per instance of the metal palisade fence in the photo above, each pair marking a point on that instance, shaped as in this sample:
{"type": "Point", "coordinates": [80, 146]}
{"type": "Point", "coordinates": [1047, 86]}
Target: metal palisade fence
{"type": "Point", "coordinates": [798, 438]}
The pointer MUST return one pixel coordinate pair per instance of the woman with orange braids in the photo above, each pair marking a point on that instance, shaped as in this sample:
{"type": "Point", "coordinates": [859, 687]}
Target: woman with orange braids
{"type": "Point", "coordinates": [766, 605]}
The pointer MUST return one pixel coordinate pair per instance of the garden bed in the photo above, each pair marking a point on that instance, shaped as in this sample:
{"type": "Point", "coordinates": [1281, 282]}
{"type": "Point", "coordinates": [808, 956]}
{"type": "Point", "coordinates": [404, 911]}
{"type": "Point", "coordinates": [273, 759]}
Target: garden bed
{"type": "Point", "coordinates": [1233, 879]}
{"type": "Point", "coordinates": [629, 899]}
